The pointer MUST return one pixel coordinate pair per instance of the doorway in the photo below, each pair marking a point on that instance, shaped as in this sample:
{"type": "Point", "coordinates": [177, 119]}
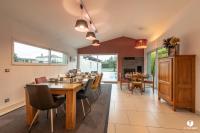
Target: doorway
{"type": "Point", "coordinates": [104, 63]}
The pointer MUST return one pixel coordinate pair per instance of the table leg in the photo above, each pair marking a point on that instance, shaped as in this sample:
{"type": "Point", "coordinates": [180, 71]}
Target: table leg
{"type": "Point", "coordinates": [30, 111]}
{"type": "Point", "coordinates": [70, 109]}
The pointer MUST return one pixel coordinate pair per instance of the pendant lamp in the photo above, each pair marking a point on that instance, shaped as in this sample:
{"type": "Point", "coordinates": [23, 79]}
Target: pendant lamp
{"type": "Point", "coordinates": [96, 43]}
{"type": "Point", "coordinates": [81, 25]}
{"type": "Point", "coordinates": [90, 36]}
{"type": "Point", "coordinates": [141, 44]}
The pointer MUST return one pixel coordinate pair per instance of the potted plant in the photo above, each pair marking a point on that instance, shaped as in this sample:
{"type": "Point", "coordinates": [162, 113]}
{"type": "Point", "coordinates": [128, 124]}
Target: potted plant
{"type": "Point", "coordinates": [172, 44]}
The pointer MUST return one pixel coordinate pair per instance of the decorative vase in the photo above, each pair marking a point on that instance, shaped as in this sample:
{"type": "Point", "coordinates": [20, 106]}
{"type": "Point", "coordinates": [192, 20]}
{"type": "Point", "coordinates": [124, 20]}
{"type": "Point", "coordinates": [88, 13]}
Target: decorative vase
{"type": "Point", "coordinates": [173, 51]}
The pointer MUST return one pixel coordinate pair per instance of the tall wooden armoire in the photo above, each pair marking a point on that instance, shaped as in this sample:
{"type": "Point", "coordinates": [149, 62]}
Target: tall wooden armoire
{"type": "Point", "coordinates": [176, 81]}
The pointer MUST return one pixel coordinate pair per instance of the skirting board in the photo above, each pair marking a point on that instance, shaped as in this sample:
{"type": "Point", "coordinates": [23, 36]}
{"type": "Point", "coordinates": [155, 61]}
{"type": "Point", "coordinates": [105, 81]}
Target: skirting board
{"type": "Point", "coordinates": [12, 107]}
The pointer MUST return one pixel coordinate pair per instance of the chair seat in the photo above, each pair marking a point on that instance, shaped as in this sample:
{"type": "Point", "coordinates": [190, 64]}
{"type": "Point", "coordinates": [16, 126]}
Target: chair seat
{"type": "Point", "coordinates": [81, 95]}
{"type": "Point", "coordinates": [57, 97]}
{"type": "Point", "coordinates": [81, 91]}
{"type": "Point", "coordinates": [136, 83]}
{"type": "Point", "coordinates": [58, 102]}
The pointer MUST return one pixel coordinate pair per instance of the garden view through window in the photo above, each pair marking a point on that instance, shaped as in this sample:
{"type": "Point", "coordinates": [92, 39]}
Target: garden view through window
{"type": "Point", "coordinates": [27, 54]}
{"type": "Point", "coordinates": [106, 64]}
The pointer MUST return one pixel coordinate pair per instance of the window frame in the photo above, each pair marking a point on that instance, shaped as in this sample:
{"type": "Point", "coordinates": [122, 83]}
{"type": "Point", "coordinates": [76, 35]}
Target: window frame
{"type": "Point", "coordinates": [36, 64]}
{"type": "Point", "coordinates": [67, 60]}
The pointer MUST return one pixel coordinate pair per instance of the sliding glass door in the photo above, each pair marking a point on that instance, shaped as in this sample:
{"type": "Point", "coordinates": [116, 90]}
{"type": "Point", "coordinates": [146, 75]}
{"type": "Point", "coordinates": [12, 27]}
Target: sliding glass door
{"type": "Point", "coordinates": [106, 64]}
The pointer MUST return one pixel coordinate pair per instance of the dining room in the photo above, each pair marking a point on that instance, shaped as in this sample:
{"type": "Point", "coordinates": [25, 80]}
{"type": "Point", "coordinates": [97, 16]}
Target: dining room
{"type": "Point", "coordinates": [83, 66]}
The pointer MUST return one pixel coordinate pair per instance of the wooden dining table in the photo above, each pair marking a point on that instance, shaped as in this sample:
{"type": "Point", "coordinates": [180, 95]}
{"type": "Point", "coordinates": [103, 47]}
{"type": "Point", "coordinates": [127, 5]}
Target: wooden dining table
{"type": "Point", "coordinates": [145, 80]}
{"type": "Point", "coordinates": [63, 88]}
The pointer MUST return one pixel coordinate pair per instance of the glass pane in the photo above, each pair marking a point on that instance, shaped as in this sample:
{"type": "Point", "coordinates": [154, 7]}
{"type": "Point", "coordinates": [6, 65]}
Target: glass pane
{"type": "Point", "coordinates": [109, 63]}
{"type": "Point", "coordinates": [153, 61]}
{"type": "Point", "coordinates": [29, 54]}
{"type": "Point", "coordinates": [162, 52]}
{"type": "Point", "coordinates": [106, 64]}
{"type": "Point", "coordinates": [58, 57]}
{"type": "Point", "coordinates": [149, 63]}
{"type": "Point", "coordinates": [89, 63]}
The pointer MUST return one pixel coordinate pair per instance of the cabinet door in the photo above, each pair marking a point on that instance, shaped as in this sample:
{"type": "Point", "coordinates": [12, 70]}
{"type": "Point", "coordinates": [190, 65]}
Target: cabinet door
{"type": "Point", "coordinates": [184, 92]}
{"type": "Point", "coordinates": [165, 79]}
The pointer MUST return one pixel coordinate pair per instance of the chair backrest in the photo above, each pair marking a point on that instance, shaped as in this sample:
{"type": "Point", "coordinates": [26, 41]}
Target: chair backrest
{"type": "Point", "coordinates": [88, 85]}
{"type": "Point", "coordinates": [134, 77]}
{"type": "Point", "coordinates": [101, 75]}
{"type": "Point", "coordinates": [40, 80]}
{"type": "Point", "coordinates": [39, 96]}
{"type": "Point", "coordinates": [95, 84]}
{"type": "Point", "coordinates": [137, 77]}
{"type": "Point", "coordinates": [141, 77]}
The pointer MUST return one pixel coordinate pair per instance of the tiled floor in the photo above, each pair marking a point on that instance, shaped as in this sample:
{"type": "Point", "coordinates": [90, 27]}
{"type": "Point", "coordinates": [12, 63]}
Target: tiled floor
{"type": "Point", "coordinates": [109, 76]}
{"type": "Point", "coordinates": [136, 113]}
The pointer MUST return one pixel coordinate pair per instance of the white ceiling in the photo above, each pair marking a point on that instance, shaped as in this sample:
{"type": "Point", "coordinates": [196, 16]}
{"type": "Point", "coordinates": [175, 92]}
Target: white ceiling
{"type": "Point", "coordinates": [113, 18]}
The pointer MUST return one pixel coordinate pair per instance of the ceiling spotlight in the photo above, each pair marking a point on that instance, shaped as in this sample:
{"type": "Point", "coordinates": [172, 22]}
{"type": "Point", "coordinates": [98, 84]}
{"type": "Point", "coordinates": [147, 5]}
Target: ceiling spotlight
{"type": "Point", "coordinates": [81, 25]}
{"type": "Point", "coordinates": [90, 36]}
{"type": "Point", "coordinates": [96, 43]}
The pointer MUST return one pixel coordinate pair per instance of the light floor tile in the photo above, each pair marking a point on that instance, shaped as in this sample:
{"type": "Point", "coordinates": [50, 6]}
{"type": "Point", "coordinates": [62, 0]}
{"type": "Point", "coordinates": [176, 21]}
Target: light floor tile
{"type": "Point", "coordinates": [135, 113]}
{"type": "Point", "coordinates": [163, 130]}
{"type": "Point", "coordinates": [190, 131]}
{"type": "Point", "coordinates": [111, 128]}
{"type": "Point", "coordinates": [119, 117]}
{"type": "Point", "coordinates": [142, 119]}
{"type": "Point", "coordinates": [130, 129]}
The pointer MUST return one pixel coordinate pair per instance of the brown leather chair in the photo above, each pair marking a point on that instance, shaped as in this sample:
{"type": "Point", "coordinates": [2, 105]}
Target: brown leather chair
{"type": "Point", "coordinates": [41, 99]}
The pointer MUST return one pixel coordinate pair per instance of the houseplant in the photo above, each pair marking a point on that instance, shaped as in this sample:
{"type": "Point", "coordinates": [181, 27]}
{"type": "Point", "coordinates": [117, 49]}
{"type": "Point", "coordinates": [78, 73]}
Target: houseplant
{"type": "Point", "coordinates": [172, 44]}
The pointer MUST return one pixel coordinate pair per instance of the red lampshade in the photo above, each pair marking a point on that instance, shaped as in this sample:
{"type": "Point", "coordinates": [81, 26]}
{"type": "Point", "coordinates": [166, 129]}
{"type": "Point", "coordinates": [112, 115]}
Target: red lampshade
{"type": "Point", "coordinates": [141, 44]}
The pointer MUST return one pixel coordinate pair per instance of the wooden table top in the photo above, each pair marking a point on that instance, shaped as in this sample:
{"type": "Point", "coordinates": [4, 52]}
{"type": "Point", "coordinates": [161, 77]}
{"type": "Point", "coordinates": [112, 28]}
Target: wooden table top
{"type": "Point", "coordinates": [64, 86]}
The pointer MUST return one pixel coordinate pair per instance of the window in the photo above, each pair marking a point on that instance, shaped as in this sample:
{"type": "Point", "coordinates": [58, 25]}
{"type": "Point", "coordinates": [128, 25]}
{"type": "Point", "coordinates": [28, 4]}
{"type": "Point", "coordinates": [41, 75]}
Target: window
{"type": "Point", "coordinates": [58, 57]}
{"type": "Point", "coordinates": [27, 54]}
{"type": "Point", "coordinates": [162, 52]}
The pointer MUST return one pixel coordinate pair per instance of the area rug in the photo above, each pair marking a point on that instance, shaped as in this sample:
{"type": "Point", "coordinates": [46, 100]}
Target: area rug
{"type": "Point", "coordinates": [95, 122]}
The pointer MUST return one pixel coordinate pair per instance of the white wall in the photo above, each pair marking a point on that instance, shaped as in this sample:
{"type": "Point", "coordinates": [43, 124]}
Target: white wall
{"type": "Point", "coordinates": [12, 83]}
{"type": "Point", "coordinates": [187, 27]}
